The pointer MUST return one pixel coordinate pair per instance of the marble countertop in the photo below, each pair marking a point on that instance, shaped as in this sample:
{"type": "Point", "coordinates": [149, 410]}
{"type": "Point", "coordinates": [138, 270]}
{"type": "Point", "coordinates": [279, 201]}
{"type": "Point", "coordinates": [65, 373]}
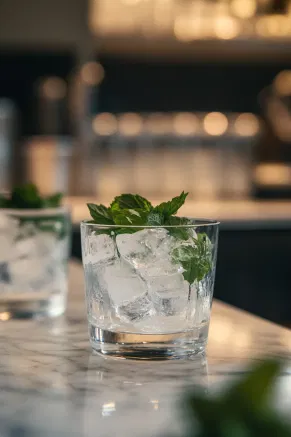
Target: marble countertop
{"type": "Point", "coordinates": [52, 385]}
{"type": "Point", "coordinates": [239, 214]}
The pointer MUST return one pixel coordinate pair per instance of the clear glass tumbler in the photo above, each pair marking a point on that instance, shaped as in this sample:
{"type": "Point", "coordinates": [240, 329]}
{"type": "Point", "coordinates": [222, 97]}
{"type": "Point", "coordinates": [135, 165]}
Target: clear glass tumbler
{"type": "Point", "coordinates": [149, 289]}
{"type": "Point", "coordinates": [34, 252]}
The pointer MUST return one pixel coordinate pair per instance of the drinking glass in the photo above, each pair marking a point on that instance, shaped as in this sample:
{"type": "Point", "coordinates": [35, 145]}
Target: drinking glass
{"type": "Point", "coordinates": [149, 289]}
{"type": "Point", "coordinates": [34, 252]}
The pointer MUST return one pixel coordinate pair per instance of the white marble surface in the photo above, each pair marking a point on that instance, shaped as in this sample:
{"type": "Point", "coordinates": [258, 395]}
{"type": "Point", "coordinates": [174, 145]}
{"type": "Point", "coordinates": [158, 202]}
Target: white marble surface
{"type": "Point", "coordinates": [52, 385]}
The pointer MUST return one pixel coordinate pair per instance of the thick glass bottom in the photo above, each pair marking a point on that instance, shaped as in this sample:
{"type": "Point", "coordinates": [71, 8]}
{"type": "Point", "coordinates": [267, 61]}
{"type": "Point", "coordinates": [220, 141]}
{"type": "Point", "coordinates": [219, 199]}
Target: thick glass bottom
{"type": "Point", "coordinates": [141, 346]}
{"type": "Point", "coordinates": [24, 307]}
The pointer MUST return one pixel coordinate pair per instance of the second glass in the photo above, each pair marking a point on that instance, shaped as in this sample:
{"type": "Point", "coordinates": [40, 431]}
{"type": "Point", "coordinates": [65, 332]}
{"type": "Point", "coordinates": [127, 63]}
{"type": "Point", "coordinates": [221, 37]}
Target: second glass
{"type": "Point", "coordinates": [149, 289]}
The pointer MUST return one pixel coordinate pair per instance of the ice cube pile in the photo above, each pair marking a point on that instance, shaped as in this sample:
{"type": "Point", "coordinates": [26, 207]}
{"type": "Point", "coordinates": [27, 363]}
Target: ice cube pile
{"type": "Point", "coordinates": [32, 262]}
{"type": "Point", "coordinates": [134, 284]}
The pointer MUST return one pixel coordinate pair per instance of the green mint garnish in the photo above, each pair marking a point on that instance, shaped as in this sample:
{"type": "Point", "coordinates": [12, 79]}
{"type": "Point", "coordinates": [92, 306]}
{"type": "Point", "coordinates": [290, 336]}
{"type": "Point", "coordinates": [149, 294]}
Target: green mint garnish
{"type": "Point", "coordinates": [195, 255]}
{"type": "Point", "coordinates": [197, 260]}
{"type": "Point", "coordinates": [100, 214]}
{"type": "Point", "coordinates": [170, 208]}
{"type": "Point", "coordinates": [243, 410]}
{"type": "Point", "coordinates": [130, 201]}
{"type": "Point", "coordinates": [27, 196]}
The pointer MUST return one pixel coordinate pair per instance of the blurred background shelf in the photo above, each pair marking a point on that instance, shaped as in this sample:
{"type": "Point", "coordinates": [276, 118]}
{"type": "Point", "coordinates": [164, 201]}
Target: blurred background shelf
{"type": "Point", "coordinates": [99, 97]}
{"type": "Point", "coordinates": [236, 214]}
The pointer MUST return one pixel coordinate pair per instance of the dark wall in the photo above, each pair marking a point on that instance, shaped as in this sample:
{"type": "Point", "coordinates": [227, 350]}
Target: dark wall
{"type": "Point", "coordinates": [19, 74]}
{"type": "Point", "coordinates": [162, 86]}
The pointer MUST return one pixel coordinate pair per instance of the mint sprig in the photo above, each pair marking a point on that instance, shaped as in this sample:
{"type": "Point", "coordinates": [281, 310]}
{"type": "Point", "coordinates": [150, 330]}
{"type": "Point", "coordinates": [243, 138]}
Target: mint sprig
{"type": "Point", "coordinates": [170, 208]}
{"type": "Point", "coordinates": [195, 260]}
{"type": "Point", "coordinates": [134, 212]}
{"type": "Point", "coordinates": [131, 201]}
{"type": "Point", "coordinates": [243, 410]}
{"type": "Point", "coordinates": [100, 214]}
{"type": "Point", "coordinates": [27, 196]}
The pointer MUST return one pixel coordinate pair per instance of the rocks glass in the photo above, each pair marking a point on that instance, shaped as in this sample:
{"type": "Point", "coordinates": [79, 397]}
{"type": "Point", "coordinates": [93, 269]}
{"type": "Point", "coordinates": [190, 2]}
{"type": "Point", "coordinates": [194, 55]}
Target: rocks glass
{"type": "Point", "coordinates": [34, 252]}
{"type": "Point", "coordinates": [149, 289]}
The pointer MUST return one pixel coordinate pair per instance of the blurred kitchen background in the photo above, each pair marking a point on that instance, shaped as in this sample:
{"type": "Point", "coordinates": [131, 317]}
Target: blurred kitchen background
{"type": "Point", "coordinates": [102, 97]}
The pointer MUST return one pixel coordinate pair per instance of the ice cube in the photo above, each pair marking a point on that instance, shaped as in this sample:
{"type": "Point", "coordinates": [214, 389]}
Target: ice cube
{"type": "Point", "coordinates": [136, 309]}
{"type": "Point", "coordinates": [26, 247]}
{"type": "Point", "coordinates": [98, 300]}
{"type": "Point", "coordinates": [29, 273]}
{"type": "Point", "coordinates": [122, 282]}
{"type": "Point", "coordinates": [99, 249]}
{"type": "Point", "coordinates": [148, 251]}
{"type": "Point", "coordinates": [169, 294]}
{"type": "Point", "coordinates": [133, 247]}
{"type": "Point", "coordinates": [46, 243]}
{"type": "Point", "coordinates": [127, 291]}
{"type": "Point", "coordinates": [204, 299]}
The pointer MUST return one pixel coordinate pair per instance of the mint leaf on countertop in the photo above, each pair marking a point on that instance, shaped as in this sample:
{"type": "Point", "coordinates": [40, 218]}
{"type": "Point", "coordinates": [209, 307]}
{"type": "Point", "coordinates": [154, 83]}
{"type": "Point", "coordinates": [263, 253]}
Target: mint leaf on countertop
{"type": "Point", "coordinates": [170, 208]}
{"type": "Point", "coordinates": [100, 214]}
{"type": "Point", "coordinates": [131, 201]}
{"type": "Point", "coordinates": [243, 410]}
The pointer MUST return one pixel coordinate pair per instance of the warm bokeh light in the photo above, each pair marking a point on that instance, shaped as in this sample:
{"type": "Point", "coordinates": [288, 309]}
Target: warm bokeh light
{"type": "Point", "coordinates": [273, 174]}
{"type": "Point", "coordinates": [158, 124]}
{"type": "Point", "coordinates": [243, 8]}
{"type": "Point", "coordinates": [273, 26]}
{"type": "Point", "coordinates": [53, 88]}
{"type": "Point", "coordinates": [5, 316]}
{"type": "Point", "coordinates": [226, 27]}
{"type": "Point", "coordinates": [185, 123]}
{"type": "Point", "coordinates": [182, 30]}
{"type": "Point", "coordinates": [130, 124]}
{"type": "Point", "coordinates": [131, 2]}
{"type": "Point", "coordinates": [247, 125]}
{"type": "Point", "coordinates": [104, 124]}
{"type": "Point", "coordinates": [215, 123]}
{"type": "Point", "coordinates": [92, 73]}
{"type": "Point", "coordinates": [283, 83]}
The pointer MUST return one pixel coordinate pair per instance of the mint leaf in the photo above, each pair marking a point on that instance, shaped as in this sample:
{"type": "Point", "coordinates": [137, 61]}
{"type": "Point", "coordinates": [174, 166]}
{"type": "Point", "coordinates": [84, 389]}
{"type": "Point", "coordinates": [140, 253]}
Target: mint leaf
{"type": "Point", "coordinates": [255, 388]}
{"type": "Point", "coordinates": [130, 217]}
{"type": "Point", "coordinates": [100, 214]}
{"type": "Point", "coordinates": [4, 202]}
{"type": "Point", "coordinates": [196, 261]}
{"type": "Point", "coordinates": [155, 219]}
{"type": "Point", "coordinates": [53, 201]}
{"type": "Point", "coordinates": [26, 197]}
{"type": "Point", "coordinates": [178, 232]}
{"type": "Point", "coordinates": [171, 207]}
{"type": "Point", "coordinates": [247, 412]}
{"type": "Point", "coordinates": [130, 201]}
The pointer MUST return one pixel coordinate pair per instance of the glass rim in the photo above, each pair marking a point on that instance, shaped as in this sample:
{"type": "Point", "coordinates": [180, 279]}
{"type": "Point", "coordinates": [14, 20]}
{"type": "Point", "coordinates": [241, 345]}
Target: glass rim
{"type": "Point", "coordinates": [36, 212]}
{"type": "Point", "coordinates": [200, 223]}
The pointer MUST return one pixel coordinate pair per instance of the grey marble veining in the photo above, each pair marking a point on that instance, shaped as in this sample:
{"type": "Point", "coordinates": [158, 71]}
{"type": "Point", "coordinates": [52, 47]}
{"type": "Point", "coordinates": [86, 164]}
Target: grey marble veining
{"type": "Point", "coordinates": [52, 385]}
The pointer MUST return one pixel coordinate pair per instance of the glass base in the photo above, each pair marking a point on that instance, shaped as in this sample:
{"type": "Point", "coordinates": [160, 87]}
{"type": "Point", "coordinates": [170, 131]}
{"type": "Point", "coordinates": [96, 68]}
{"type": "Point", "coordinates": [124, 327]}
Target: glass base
{"type": "Point", "coordinates": [22, 308]}
{"type": "Point", "coordinates": [139, 346]}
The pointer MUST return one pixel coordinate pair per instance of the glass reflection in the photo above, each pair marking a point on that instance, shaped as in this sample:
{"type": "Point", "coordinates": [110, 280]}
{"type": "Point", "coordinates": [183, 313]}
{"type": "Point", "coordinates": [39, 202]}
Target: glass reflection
{"type": "Point", "coordinates": [140, 396]}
